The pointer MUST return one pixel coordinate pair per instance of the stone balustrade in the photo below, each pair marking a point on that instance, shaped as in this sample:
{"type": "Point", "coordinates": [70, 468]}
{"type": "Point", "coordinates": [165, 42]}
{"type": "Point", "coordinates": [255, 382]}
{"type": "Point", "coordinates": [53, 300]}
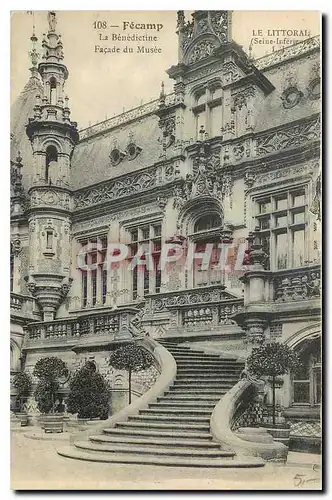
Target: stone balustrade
{"type": "Point", "coordinates": [23, 306]}
{"type": "Point", "coordinates": [205, 308]}
{"type": "Point", "coordinates": [108, 325]}
{"type": "Point", "coordinates": [297, 284]}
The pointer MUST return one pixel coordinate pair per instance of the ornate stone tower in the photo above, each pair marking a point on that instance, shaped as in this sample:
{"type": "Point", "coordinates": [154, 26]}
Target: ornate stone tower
{"type": "Point", "coordinates": [53, 137]}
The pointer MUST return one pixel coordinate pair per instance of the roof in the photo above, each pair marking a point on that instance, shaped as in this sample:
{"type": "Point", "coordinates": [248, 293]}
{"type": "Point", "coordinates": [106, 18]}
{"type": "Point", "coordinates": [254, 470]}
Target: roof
{"type": "Point", "coordinates": [91, 163]}
{"type": "Point", "coordinates": [20, 112]}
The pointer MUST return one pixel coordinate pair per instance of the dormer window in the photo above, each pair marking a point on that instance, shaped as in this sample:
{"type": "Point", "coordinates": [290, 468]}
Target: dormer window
{"type": "Point", "coordinates": [207, 110]}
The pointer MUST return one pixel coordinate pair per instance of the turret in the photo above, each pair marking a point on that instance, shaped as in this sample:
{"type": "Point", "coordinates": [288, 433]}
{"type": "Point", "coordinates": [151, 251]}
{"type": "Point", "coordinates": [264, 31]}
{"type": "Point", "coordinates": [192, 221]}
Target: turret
{"type": "Point", "coordinates": [53, 136]}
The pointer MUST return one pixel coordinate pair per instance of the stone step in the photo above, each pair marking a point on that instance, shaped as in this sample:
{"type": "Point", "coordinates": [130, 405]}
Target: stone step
{"type": "Point", "coordinates": [148, 440]}
{"type": "Point", "coordinates": [169, 418]}
{"type": "Point", "coordinates": [186, 360]}
{"type": "Point", "coordinates": [182, 405]}
{"type": "Point", "coordinates": [208, 375]}
{"type": "Point", "coordinates": [184, 396]}
{"type": "Point", "coordinates": [204, 384]}
{"type": "Point", "coordinates": [149, 449]}
{"type": "Point", "coordinates": [164, 433]}
{"type": "Point", "coordinates": [206, 372]}
{"type": "Point", "coordinates": [79, 454]}
{"type": "Point", "coordinates": [176, 411]}
{"type": "Point", "coordinates": [198, 390]}
{"type": "Point", "coordinates": [187, 427]}
{"type": "Point", "coordinates": [194, 355]}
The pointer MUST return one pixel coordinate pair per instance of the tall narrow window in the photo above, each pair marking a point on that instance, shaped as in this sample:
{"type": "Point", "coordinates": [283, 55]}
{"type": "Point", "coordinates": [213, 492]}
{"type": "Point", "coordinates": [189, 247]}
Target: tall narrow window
{"type": "Point", "coordinates": [94, 275]}
{"type": "Point", "coordinates": [11, 267]}
{"type": "Point", "coordinates": [49, 240]}
{"type": "Point", "coordinates": [94, 286]}
{"type": "Point", "coordinates": [51, 156]}
{"type": "Point", "coordinates": [282, 219]}
{"type": "Point", "coordinates": [148, 239]}
{"type": "Point", "coordinates": [53, 96]}
{"type": "Point", "coordinates": [104, 285]}
{"type": "Point", "coordinates": [208, 111]}
{"type": "Point", "coordinates": [84, 288]}
{"type": "Point", "coordinates": [307, 381]}
{"type": "Point", "coordinates": [205, 233]}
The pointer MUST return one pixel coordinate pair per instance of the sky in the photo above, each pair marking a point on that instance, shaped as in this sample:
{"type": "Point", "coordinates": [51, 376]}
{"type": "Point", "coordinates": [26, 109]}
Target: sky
{"type": "Point", "coordinates": [103, 85]}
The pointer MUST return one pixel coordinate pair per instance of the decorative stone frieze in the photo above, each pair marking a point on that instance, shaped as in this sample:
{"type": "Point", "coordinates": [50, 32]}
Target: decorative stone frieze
{"type": "Point", "coordinates": [163, 302]}
{"type": "Point", "coordinates": [49, 197]}
{"type": "Point", "coordinates": [287, 137]}
{"type": "Point", "coordinates": [277, 175]}
{"type": "Point", "coordinates": [286, 53]}
{"type": "Point", "coordinates": [297, 285]}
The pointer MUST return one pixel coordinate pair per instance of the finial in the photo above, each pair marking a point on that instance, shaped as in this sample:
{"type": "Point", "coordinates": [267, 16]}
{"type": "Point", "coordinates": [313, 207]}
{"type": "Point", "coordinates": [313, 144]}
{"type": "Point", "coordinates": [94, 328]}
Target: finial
{"type": "Point", "coordinates": [162, 95]}
{"type": "Point", "coordinates": [51, 17]}
{"type": "Point", "coordinates": [33, 54]}
{"type": "Point", "coordinates": [181, 20]}
{"type": "Point", "coordinates": [202, 132]}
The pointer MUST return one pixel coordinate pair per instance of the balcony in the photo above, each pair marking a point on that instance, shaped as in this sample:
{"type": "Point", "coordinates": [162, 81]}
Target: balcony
{"type": "Point", "coordinates": [82, 332]}
{"type": "Point", "coordinates": [297, 284]}
{"type": "Point", "coordinates": [23, 307]}
{"type": "Point", "coordinates": [200, 311]}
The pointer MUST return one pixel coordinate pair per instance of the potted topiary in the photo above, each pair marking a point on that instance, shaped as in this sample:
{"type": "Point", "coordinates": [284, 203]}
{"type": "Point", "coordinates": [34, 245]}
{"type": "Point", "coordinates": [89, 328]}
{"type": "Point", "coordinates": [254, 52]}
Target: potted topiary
{"type": "Point", "coordinates": [132, 358]}
{"type": "Point", "coordinates": [23, 384]}
{"type": "Point", "coordinates": [272, 361]}
{"type": "Point", "coordinates": [49, 371]}
{"type": "Point", "coordinates": [89, 394]}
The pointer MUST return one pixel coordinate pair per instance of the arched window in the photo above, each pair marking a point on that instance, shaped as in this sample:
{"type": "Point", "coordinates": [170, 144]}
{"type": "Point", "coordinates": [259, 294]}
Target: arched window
{"type": "Point", "coordinates": [53, 97]}
{"type": "Point", "coordinates": [11, 267]}
{"type": "Point", "coordinates": [207, 222]}
{"type": "Point", "coordinates": [307, 382]}
{"type": "Point", "coordinates": [206, 240]}
{"type": "Point", "coordinates": [51, 155]}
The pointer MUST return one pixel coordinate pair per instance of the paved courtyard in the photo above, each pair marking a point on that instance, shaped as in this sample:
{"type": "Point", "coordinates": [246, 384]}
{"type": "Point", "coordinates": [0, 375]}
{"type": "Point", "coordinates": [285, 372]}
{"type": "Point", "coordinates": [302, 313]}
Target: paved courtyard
{"type": "Point", "coordinates": [36, 465]}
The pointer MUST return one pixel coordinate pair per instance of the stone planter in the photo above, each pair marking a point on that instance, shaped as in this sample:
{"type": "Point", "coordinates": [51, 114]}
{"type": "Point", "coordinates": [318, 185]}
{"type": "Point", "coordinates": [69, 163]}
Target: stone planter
{"type": "Point", "coordinates": [23, 417]}
{"type": "Point", "coordinates": [52, 422]}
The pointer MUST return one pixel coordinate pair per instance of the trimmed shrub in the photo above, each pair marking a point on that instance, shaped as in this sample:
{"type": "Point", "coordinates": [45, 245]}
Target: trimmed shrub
{"type": "Point", "coordinates": [89, 393]}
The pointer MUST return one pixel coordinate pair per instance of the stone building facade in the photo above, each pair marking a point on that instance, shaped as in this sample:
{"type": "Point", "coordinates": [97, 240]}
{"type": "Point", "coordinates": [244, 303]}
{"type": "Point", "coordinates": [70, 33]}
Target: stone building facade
{"type": "Point", "coordinates": [232, 156]}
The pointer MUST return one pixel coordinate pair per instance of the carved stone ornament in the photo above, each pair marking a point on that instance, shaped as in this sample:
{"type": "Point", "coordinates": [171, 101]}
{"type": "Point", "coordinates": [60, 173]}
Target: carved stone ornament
{"type": "Point", "coordinates": [16, 246]}
{"type": "Point", "coordinates": [290, 136]}
{"type": "Point", "coordinates": [314, 89]}
{"type": "Point", "coordinates": [132, 151]}
{"type": "Point", "coordinates": [201, 50]}
{"type": "Point", "coordinates": [291, 97]}
{"type": "Point", "coordinates": [116, 156]}
{"type": "Point", "coordinates": [162, 202]}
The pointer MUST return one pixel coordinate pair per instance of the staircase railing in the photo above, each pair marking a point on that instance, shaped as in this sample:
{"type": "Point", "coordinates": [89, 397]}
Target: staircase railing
{"type": "Point", "coordinates": [222, 421]}
{"type": "Point", "coordinates": [167, 367]}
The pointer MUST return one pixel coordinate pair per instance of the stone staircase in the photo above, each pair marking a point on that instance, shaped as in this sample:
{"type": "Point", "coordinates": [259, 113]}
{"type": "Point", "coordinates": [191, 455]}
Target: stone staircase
{"type": "Point", "coordinates": [174, 430]}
